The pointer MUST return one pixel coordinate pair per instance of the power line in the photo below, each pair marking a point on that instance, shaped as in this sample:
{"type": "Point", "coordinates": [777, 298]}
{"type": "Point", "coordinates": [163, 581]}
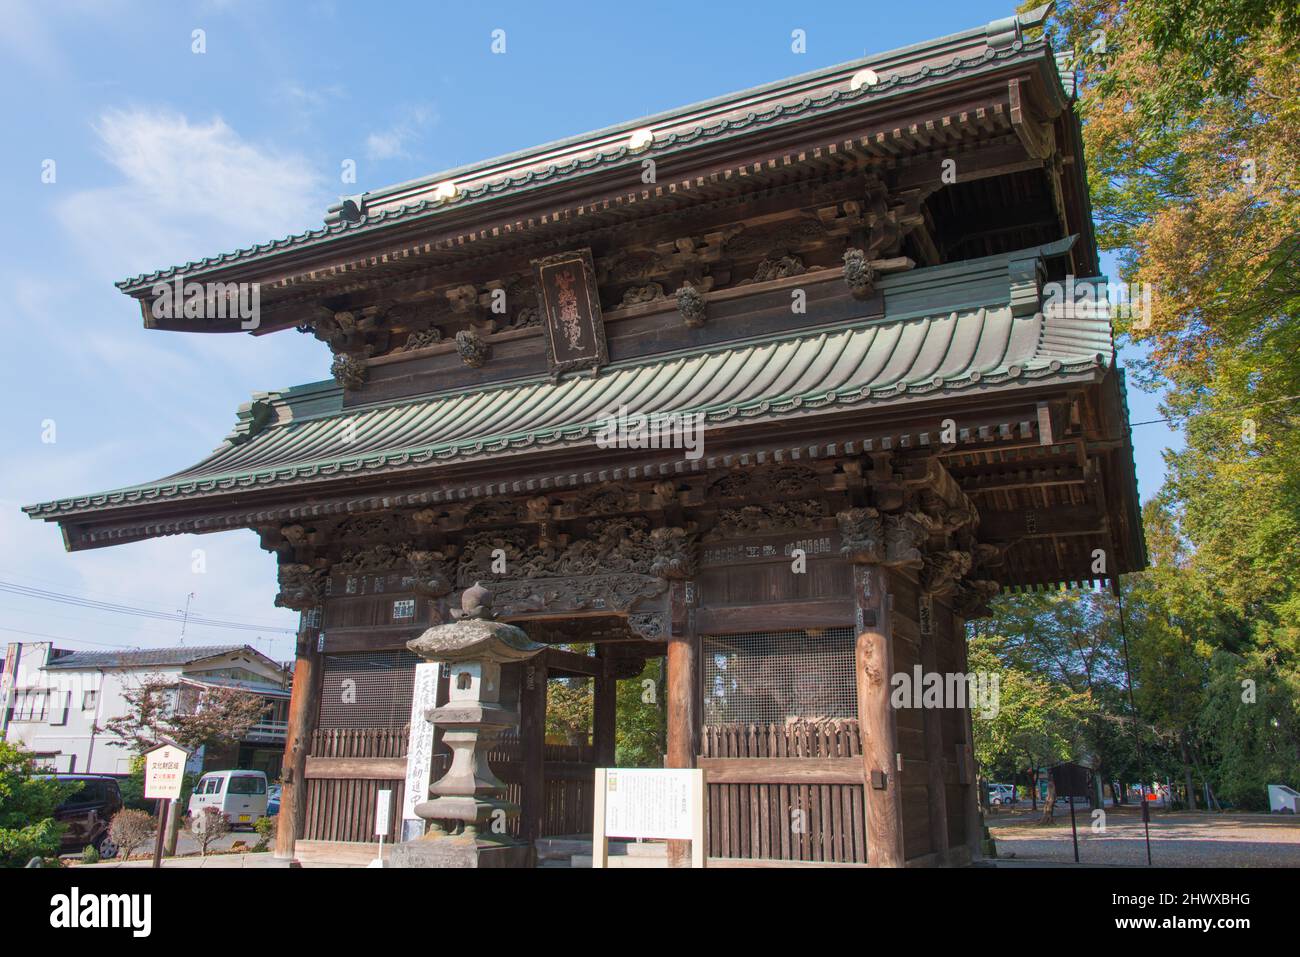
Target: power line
{"type": "Point", "coordinates": [134, 610]}
{"type": "Point", "coordinates": [135, 627]}
{"type": "Point", "coordinates": [82, 592]}
{"type": "Point", "coordinates": [99, 644]}
{"type": "Point", "coordinates": [1231, 408]}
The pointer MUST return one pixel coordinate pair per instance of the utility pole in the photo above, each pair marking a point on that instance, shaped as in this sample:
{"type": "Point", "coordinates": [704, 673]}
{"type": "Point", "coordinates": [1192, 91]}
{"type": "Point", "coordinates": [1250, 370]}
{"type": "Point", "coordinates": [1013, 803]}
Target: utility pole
{"type": "Point", "coordinates": [185, 615]}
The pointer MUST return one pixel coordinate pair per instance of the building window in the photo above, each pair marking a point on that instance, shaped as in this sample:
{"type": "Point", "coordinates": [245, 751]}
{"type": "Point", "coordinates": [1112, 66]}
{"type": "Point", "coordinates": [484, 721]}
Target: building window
{"type": "Point", "coordinates": [32, 705]}
{"type": "Point", "coordinates": [88, 699]}
{"type": "Point", "coordinates": [774, 677]}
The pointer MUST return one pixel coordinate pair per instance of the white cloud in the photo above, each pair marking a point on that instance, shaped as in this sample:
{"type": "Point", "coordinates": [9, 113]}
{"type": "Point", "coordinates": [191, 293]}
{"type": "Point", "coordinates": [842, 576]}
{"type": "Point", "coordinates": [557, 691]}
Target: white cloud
{"type": "Point", "coordinates": [392, 142]}
{"type": "Point", "coordinates": [189, 190]}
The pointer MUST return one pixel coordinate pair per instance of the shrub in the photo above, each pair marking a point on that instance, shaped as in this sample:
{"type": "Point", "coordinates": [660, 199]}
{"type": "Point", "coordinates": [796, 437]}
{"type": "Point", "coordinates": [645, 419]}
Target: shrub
{"type": "Point", "coordinates": [131, 828]}
{"type": "Point", "coordinates": [27, 803]}
{"type": "Point", "coordinates": [265, 828]}
{"type": "Point", "coordinates": [208, 827]}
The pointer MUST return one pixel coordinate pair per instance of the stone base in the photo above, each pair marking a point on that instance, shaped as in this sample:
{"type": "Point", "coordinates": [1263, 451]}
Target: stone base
{"type": "Point", "coordinates": [445, 851]}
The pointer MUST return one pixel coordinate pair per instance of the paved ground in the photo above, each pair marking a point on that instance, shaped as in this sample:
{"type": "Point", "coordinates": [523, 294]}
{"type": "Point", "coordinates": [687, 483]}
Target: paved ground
{"type": "Point", "coordinates": [211, 862]}
{"type": "Point", "coordinates": [1178, 839]}
{"type": "Point", "coordinates": [186, 845]}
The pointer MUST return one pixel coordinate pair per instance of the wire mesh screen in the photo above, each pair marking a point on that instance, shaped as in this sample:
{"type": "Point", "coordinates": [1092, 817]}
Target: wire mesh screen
{"type": "Point", "coordinates": [773, 676]}
{"type": "Point", "coordinates": [368, 690]}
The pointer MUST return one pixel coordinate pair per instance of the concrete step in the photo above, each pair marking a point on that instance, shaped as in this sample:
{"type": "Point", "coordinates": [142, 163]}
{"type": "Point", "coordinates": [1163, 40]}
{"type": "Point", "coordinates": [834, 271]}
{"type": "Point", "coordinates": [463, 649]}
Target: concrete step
{"type": "Point", "coordinates": [620, 860]}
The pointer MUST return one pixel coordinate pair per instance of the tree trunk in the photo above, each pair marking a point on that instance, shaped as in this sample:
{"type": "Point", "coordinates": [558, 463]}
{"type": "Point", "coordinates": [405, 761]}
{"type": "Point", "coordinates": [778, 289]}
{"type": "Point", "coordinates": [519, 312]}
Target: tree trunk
{"type": "Point", "coordinates": [1213, 802]}
{"type": "Point", "coordinates": [1049, 802]}
{"type": "Point", "coordinates": [1187, 772]}
{"type": "Point", "coordinates": [1033, 789]}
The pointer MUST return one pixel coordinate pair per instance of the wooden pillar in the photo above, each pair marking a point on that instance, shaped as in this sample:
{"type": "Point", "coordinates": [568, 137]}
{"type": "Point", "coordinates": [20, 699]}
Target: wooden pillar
{"type": "Point", "coordinates": [932, 723]}
{"type": "Point", "coordinates": [681, 694]}
{"type": "Point", "coordinates": [876, 718]}
{"type": "Point", "coordinates": [532, 746]}
{"type": "Point", "coordinates": [304, 710]}
{"type": "Point", "coordinates": [970, 786]}
{"type": "Point", "coordinates": [604, 715]}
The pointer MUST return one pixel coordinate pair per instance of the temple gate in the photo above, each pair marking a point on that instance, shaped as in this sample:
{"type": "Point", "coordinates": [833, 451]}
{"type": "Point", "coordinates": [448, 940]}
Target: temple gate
{"type": "Point", "coordinates": [781, 389]}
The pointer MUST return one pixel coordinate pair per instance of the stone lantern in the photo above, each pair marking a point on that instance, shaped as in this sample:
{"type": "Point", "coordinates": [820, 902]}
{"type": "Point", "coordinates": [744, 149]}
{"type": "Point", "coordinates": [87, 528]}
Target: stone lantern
{"type": "Point", "coordinates": [468, 813]}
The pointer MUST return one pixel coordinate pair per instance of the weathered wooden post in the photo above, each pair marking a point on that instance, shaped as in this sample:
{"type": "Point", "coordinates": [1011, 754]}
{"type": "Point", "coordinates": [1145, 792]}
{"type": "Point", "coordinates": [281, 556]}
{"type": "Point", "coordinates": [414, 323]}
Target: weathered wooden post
{"type": "Point", "coordinates": [862, 540]}
{"type": "Point", "coordinates": [604, 713]}
{"type": "Point", "coordinates": [932, 724]}
{"type": "Point", "coordinates": [682, 684]}
{"type": "Point", "coordinates": [304, 706]}
{"type": "Point", "coordinates": [532, 749]}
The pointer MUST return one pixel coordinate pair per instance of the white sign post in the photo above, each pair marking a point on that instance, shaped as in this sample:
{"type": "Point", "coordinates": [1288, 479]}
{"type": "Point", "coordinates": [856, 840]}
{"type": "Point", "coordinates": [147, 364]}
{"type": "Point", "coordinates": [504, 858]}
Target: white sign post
{"type": "Point", "coordinates": [164, 775]}
{"type": "Point", "coordinates": [664, 803]}
{"type": "Point", "coordinates": [383, 812]}
{"type": "Point", "coordinates": [419, 749]}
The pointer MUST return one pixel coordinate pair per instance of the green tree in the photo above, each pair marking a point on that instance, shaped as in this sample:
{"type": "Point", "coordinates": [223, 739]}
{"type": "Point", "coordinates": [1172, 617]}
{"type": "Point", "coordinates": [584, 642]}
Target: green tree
{"type": "Point", "coordinates": [641, 719]}
{"type": "Point", "coordinates": [27, 803]}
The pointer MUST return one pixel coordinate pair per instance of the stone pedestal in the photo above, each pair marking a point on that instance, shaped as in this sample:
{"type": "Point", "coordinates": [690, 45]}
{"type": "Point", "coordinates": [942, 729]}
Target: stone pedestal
{"type": "Point", "coordinates": [447, 851]}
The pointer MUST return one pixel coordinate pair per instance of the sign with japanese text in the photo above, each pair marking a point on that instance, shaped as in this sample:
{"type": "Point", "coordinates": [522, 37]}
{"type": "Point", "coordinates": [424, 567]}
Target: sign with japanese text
{"type": "Point", "coordinates": [649, 803]}
{"type": "Point", "coordinates": [164, 771]}
{"type": "Point", "coordinates": [570, 307]}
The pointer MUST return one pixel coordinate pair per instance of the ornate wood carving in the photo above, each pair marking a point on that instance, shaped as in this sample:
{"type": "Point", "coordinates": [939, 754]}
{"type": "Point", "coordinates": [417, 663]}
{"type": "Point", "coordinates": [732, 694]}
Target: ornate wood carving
{"type": "Point", "coordinates": [674, 552]}
{"type": "Point", "coordinates": [972, 596]}
{"type": "Point", "coordinates": [859, 276]}
{"type": "Point", "coordinates": [778, 267]}
{"type": "Point", "coordinates": [472, 348]}
{"type": "Point", "coordinates": [348, 371]}
{"type": "Point", "coordinates": [776, 240]}
{"type": "Point", "coordinates": [493, 511]}
{"type": "Point", "coordinates": [363, 528]}
{"type": "Point", "coordinates": [776, 518]}
{"type": "Point", "coordinates": [650, 626]}
{"type": "Point", "coordinates": [905, 538]}
{"type": "Point", "coordinates": [381, 557]}
{"type": "Point", "coordinates": [942, 569]}
{"type": "Point", "coordinates": [421, 339]}
{"type": "Point", "coordinates": [635, 295]}
{"type": "Point", "coordinates": [691, 306]}
{"type": "Point", "coordinates": [612, 593]}
{"type": "Point", "coordinates": [604, 500]}
{"type": "Point", "coordinates": [428, 573]}
{"type": "Point", "coordinates": [768, 481]}
{"type": "Point", "coordinates": [862, 535]}
{"type": "Point", "coordinates": [620, 545]}
{"type": "Point", "coordinates": [302, 585]}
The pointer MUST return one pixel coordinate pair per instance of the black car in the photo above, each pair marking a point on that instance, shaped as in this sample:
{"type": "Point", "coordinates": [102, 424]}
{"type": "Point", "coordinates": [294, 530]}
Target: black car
{"type": "Point", "coordinates": [87, 813]}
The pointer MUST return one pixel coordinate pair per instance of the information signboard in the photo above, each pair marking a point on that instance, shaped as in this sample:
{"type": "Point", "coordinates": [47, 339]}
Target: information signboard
{"type": "Point", "coordinates": [649, 803]}
{"type": "Point", "coordinates": [164, 772]}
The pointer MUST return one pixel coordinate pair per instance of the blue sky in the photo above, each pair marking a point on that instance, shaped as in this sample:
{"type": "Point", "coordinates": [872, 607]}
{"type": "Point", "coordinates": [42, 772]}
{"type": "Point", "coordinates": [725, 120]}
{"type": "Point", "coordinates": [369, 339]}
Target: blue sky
{"type": "Point", "coordinates": [163, 155]}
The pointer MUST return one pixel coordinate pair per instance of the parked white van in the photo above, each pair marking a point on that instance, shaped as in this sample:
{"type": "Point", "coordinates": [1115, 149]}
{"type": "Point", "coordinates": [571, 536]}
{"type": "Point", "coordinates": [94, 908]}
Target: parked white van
{"type": "Point", "coordinates": [239, 795]}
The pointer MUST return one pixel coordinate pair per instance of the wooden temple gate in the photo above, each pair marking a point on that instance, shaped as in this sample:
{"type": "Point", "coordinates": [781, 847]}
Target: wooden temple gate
{"type": "Point", "coordinates": [782, 388]}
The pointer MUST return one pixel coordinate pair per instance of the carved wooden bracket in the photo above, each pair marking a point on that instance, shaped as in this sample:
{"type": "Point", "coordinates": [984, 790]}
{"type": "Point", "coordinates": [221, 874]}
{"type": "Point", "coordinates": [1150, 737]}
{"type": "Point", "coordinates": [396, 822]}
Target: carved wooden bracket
{"type": "Point", "coordinates": [302, 585]}
{"type": "Point", "coordinates": [597, 593]}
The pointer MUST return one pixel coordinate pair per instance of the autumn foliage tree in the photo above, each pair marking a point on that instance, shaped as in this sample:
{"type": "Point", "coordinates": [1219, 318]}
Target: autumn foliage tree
{"type": "Point", "coordinates": [1191, 128]}
{"type": "Point", "coordinates": [192, 717]}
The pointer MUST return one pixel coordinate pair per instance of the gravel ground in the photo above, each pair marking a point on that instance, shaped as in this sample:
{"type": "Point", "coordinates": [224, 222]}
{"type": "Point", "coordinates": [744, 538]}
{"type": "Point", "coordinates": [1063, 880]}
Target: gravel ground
{"type": "Point", "coordinates": [1178, 839]}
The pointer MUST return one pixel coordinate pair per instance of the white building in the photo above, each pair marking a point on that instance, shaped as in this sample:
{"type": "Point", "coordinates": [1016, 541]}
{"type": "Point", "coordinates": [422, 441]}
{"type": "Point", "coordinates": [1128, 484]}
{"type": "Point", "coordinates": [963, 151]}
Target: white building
{"type": "Point", "coordinates": [53, 700]}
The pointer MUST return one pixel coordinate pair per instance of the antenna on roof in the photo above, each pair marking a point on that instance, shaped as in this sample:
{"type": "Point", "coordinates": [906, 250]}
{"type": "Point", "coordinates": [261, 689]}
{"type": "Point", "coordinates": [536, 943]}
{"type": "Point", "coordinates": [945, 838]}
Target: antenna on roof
{"type": "Point", "coordinates": [186, 615]}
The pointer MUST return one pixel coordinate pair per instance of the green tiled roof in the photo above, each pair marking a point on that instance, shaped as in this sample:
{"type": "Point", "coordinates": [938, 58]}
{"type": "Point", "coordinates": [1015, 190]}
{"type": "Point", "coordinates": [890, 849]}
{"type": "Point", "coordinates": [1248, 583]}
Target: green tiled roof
{"type": "Point", "coordinates": [787, 101]}
{"type": "Point", "coordinates": [304, 435]}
